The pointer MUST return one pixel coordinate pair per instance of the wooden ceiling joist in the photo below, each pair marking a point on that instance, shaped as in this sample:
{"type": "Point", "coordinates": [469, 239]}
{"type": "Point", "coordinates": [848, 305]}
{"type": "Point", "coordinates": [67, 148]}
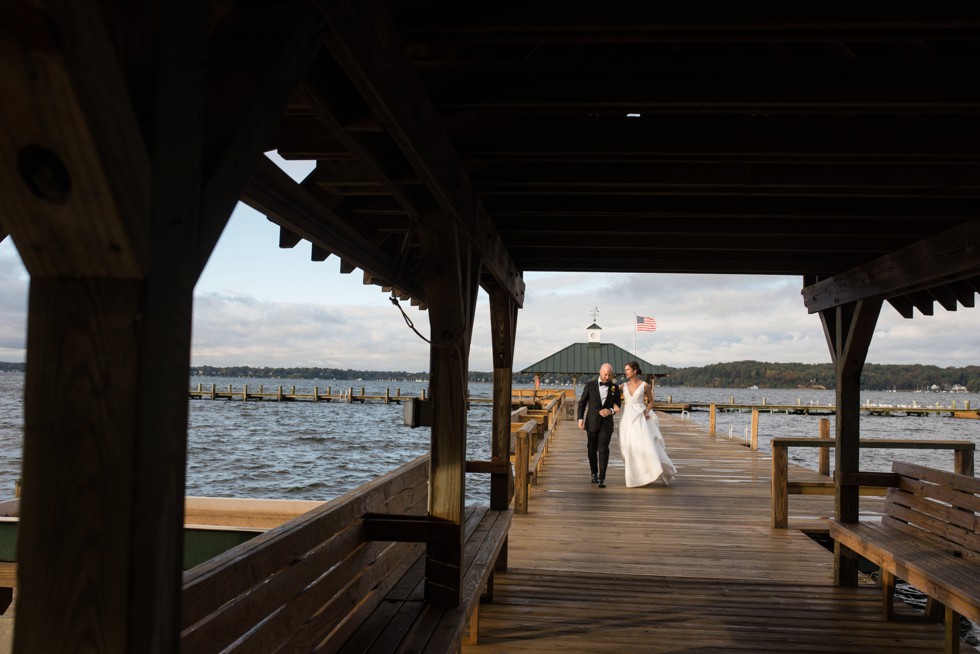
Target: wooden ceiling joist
{"type": "Point", "coordinates": [364, 41]}
{"type": "Point", "coordinates": [947, 257]}
{"type": "Point", "coordinates": [286, 203]}
{"type": "Point", "coordinates": [272, 48]}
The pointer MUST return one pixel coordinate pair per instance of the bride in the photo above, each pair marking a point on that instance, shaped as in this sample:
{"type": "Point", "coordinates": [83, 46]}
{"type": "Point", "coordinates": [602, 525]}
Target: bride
{"type": "Point", "coordinates": [640, 440]}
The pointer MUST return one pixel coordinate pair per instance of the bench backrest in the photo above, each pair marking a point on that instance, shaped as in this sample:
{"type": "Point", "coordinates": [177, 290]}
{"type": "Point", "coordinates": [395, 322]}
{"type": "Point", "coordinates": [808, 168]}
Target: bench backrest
{"type": "Point", "coordinates": [313, 577]}
{"type": "Point", "coordinates": [941, 507]}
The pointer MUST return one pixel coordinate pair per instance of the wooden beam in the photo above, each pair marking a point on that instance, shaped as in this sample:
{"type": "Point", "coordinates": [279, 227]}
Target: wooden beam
{"type": "Point", "coordinates": [271, 47]}
{"type": "Point", "coordinates": [288, 239]}
{"type": "Point", "coordinates": [903, 305]}
{"type": "Point", "coordinates": [848, 329]}
{"type": "Point", "coordinates": [364, 40]}
{"type": "Point", "coordinates": [78, 466]}
{"type": "Point", "coordinates": [451, 274]}
{"type": "Point", "coordinates": [409, 528]}
{"type": "Point", "coordinates": [729, 85]}
{"type": "Point", "coordinates": [73, 160]}
{"type": "Point", "coordinates": [503, 333]}
{"type": "Point", "coordinates": [946, 257]}
{"type": "Point", "coordinates": [963, 292]}
{"type": "Point", "coordinates": [448, 24]}
{"type": "Point", "coordinates": [318, 253]}
{"type": "Point", "coordinates": [272, 192]}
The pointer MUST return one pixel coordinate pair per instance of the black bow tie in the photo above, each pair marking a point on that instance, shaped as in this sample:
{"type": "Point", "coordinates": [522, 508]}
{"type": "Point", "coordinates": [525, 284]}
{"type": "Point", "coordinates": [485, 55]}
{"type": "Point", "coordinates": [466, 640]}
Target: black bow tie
{"type": "Point", "coordinates": [603, 383]}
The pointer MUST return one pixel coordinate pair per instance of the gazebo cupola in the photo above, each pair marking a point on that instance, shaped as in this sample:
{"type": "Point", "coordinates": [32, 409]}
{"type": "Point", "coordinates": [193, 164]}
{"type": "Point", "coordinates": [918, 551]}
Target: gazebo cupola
{"type": "Point", "coordinates": [594, 332]}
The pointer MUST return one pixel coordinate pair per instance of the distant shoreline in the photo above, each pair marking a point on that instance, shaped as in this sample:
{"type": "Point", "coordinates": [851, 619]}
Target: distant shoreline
{"type": "Point", "coordinates": [736, 374]}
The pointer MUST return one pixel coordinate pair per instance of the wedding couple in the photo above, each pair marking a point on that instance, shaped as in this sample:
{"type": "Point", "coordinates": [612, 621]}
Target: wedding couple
{"type": "Point", "coordinates": [640, 440]}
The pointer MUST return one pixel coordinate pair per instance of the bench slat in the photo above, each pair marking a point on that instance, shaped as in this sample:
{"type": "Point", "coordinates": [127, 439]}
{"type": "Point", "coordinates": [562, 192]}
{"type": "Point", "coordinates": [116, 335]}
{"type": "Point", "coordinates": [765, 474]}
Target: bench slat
{"type": "Point", "coordinates": [213, 583]}
{"type": "Point", "coordinates": [946, 578]}
{"type": "Point", "coordinates": [927, 537]}
{"type": "Point", "coordinates": [963, 483]}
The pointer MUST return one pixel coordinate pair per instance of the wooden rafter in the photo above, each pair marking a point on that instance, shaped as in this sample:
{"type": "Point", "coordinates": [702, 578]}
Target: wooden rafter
{"type": "Point", "coordinates": [364, 41]}
{"type": "Point", "coordinates": [275, 46]}
{"type": "Point", "coordinates": [946, 257]}
{"type": "Point", "coordinates": [288, 204]}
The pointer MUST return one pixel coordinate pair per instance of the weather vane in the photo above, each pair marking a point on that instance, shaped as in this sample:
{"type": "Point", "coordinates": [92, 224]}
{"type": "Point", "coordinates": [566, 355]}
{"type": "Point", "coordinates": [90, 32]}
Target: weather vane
{"type": "Point", "coordinates": [595, 314]}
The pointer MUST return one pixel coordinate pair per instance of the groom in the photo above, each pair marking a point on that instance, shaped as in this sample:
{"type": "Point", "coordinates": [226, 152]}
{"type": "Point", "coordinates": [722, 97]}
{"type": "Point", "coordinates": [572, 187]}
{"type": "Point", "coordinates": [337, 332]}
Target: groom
{"type": "Point", "coordinates": [599, 396]}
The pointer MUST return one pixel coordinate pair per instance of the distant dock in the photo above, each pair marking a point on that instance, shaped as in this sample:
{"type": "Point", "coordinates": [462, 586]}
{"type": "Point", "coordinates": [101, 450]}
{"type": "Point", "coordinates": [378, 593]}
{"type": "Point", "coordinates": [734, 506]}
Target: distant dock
{"type": "Point", "coordinates": [952, 411]}
{"type": "Point", "coordinates": [349, 395]}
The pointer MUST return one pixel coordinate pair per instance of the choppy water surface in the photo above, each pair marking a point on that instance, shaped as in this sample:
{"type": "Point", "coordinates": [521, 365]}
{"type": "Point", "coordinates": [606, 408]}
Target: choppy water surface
{"type": "Point", "coordinates": [302, 450]}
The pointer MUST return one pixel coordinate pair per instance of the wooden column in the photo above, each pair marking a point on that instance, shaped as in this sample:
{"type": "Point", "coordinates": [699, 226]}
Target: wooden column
{"type": "Point", "coordinates": [849, 329]}
{"type": "Point", "coordinates": [115, 194]}
{"type": "Point", "coordinates": [503, 332]}
{"type": "Point", "coordinates": [451, 280]}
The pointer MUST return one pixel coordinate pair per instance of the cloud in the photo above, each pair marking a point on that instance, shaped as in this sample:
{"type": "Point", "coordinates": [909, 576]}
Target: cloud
{"type": "Point", "coordinates": [241, 330]}
{"type": "Point", "coordinates": [13, 306]}
{"type": "Point", "coordinates": [338, 322]}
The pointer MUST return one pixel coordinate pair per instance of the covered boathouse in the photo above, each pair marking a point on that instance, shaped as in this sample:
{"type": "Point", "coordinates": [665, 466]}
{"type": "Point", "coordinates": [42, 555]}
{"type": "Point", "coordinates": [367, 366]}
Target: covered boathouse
{"type": "Point", "coordinates": [457, 147]}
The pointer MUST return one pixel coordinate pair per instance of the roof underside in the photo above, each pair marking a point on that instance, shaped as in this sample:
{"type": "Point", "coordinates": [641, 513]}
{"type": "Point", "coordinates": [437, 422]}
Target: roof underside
{"type": "Point", "coordinates": [843, 148]}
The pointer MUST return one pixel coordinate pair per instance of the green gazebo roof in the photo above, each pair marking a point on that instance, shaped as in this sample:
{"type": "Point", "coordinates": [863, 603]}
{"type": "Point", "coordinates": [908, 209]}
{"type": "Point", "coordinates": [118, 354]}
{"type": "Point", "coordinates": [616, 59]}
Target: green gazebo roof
{"type": "Point", "coordinates": [585, 359]}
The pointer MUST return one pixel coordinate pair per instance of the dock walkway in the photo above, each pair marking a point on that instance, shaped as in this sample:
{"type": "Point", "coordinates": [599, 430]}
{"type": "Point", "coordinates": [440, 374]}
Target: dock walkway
{"type": "Point", "coordinates": [693, 567]}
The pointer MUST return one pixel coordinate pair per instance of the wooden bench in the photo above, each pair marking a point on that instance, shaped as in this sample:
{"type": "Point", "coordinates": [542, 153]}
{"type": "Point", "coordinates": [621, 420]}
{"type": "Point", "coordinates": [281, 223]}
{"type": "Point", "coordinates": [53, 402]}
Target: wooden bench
{"type": "Point", "coordinates": [336, 578]}
{"type": "Point", "coordinates": [928, 537]}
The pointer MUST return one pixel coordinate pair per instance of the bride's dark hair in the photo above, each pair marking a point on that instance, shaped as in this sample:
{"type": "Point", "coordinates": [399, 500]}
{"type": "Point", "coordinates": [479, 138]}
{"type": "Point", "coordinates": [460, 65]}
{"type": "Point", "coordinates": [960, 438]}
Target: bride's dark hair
{"type": "Point", "coordinates": [636, 368]}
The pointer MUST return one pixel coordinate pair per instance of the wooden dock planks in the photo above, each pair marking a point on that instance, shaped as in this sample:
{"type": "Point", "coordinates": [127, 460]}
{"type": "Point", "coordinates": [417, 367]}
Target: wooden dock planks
{"type": "Point", "coordinates": [693, 567]}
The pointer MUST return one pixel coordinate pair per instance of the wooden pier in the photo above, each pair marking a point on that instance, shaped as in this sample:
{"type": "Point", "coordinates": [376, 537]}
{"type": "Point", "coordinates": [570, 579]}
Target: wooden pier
{"type": "Point", "coordinates": [693, 567]}
{"type": "Point", "coordinates": [349, 394]}
{"type": "Point", "coordinates": [828, 409]}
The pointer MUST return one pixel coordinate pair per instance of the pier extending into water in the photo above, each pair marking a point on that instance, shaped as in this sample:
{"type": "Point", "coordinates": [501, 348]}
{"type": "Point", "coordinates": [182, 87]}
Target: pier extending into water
{"type": "Point", "coordinates": [692, 567]}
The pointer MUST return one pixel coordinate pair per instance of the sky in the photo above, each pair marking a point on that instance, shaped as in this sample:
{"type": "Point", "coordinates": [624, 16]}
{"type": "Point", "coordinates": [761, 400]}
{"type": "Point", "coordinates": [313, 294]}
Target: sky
{"type": "Point", "coordinates": [258, 305]}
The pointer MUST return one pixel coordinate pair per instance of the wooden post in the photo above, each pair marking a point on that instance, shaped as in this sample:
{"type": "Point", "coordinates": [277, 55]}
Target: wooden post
{"type": "Point", "coordinates": [522, 461]}
{"type": "Point", "coordinates": [823, 453]}
{"type": "Point", "coordinates": [451, 274]}
{"type": "Point", "coordinates": [755, 429]}
{"type": "Point", "coordinates": [779, 491]}
{"type": "Point", "coordinates": [245, 393]}
{"type": "Point", "coordinates": [963, 462]}
{"type": "Point", "coordinates": [213, 392]}
{"type": "Point", "coordinates": [503, 330]}
{"type": "Point", "coordinates": [316, 394]}
{"type": "Point", "coordinates": [387, 396]}
{"type": "Point", "coordinates": [848, 329]}
{"type": "Point", "coordinates": [712, 414]}
{"type": "Point", "coordinates": [350, 394]}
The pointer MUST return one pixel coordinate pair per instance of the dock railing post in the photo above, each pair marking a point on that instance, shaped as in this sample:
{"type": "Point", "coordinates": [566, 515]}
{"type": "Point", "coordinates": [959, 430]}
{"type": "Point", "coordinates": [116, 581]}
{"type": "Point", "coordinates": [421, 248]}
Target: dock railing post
{"type": "Point", "coordinates": [245, 393]}
{"type": "Point", "coordinates": [316, 394]}
{"type": "Point", "coordinates": [755, 429]}
{"type": "Point", "coordinates": [712, 416]}
{"type": "Point", "coordinates": [213, 392]}
{"type": "Point", "coordinates": [522, 458]}
{"type": "Point", "coordinates": [823, 453]}
{"type": "Point", "coordinates": [963, 462]}
{"type": "Point", "coordinates": [780, 497]}
{"type": "Point", "coordinates": [350, 395]}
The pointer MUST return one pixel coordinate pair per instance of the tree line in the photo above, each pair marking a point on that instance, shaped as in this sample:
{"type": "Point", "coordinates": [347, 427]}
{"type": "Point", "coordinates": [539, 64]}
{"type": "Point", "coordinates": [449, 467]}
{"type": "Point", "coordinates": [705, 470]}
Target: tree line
{"type": "Point", "coordinates": [735, 374]}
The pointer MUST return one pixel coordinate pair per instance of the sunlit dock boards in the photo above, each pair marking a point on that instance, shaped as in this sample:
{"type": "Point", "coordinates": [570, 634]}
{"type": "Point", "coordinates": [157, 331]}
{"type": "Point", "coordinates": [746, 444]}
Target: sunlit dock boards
{"type": "Point", "coordinates": [693, 567]}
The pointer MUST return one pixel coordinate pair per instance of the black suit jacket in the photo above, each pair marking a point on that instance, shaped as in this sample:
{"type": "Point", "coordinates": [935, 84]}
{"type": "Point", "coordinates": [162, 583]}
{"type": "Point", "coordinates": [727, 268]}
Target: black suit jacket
{"type": "Point", "coordinates": [591, 402]}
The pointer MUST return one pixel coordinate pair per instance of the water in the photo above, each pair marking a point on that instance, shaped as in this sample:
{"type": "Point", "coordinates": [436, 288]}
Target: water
{"type": "Point", "coordinates": [302, 450]}
{"type": "Point", "coordinates": [772, 425]}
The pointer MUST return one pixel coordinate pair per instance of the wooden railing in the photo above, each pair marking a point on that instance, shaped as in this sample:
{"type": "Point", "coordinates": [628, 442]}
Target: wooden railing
{"type": "Point", "coordinates": [531, 431]}
{"type": "Point", "coordinates": [871, 483]}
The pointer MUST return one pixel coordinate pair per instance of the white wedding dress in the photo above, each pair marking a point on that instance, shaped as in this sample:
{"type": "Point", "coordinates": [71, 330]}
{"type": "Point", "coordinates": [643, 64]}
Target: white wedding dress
{"type": "Point", "coordinates": [641, 443]}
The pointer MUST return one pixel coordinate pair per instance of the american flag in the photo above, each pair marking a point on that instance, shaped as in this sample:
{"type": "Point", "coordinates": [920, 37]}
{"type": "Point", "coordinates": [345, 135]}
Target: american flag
{"type": "Point", "coordinates": [645, 324]}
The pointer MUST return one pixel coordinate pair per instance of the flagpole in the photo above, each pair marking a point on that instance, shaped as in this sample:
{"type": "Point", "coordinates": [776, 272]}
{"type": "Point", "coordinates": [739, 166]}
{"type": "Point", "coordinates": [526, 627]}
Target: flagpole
{"type": "Point", "coordinates": [634, 334]}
